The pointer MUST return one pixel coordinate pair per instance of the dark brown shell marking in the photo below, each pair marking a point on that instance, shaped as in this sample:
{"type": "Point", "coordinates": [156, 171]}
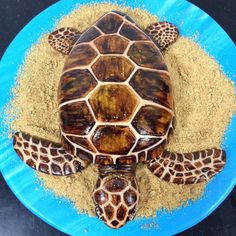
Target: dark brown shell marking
{"type": "Point", "coordinates": [82, 141]}
{"type": "Point", "coordinates": [146, 54]}
{"type": "Point", "coordinates": [113, 139]}
{"type": "Point", "coordinates": [154, 86]}
{"type": "Point", "coordinates": [152, 120]}
{"type": "Point", "coordinates": [110, 103]}
{"type": "Point", "coordinates": [132, 33]}
{"type": "Point", "coordinates": [80, 55]}
{"type": "Point", "coordinates": [112, 68]}
{"type": "Point", "coordinates": [76, 118]}
{"type": "Point", "coordinates": [75, 84]}
{"type": "Point", "coordinates": [110, 23]}
{"type": "Point", "coordinates": [99, 53]}
{"type": "Point", "coordinates": [89, 35]}
{"type": "Point", "coordinates": [111, 44]}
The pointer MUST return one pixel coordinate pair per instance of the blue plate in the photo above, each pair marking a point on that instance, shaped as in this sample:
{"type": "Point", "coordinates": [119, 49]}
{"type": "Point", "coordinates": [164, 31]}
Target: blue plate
{"type": "Point", "coordinates": [59, 212]}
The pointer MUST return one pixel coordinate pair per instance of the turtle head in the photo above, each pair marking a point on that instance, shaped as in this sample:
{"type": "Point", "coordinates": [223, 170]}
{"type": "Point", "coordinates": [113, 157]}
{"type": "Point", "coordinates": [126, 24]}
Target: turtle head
{"type": "Point", "coordinates": [116, 194]}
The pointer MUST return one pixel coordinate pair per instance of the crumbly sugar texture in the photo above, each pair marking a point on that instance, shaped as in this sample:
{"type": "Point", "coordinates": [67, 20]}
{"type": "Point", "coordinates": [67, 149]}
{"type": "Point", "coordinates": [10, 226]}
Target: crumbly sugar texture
{"type": "Point", "coordinates": [204, 104]}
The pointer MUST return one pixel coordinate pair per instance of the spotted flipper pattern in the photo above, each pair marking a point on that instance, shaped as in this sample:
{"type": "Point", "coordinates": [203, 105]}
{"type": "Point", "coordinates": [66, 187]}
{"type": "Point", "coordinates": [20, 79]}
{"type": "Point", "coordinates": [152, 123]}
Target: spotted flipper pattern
{"type": "Point", "coordinates": [188, 168]}
{"type": "Point", "coordinates": [163, 33]}
{"type": "Point", "coordinates": [46, 156]}
{"type": "Point", "coordinates": [63, 39]}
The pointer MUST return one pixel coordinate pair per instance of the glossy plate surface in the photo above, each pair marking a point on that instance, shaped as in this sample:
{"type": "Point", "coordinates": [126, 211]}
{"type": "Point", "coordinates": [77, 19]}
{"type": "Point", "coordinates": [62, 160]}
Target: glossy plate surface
{"type": "Point", "coordinates": [59, 212]}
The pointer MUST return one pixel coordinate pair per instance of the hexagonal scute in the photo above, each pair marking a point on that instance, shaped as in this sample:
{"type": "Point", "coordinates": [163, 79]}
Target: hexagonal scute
{"type": "Point", "coordinates": [75, 84]}
{"type": "Point", "coordinates": [113, 102]}
{"type": "Point", "coordinates": [152, 120]}
{"type": "Point", "coordinates": [81, 55]}
{"type": "Point", "coordinates": [111, 44]}
{"type": "Point", "coordinates": [146, 54]}
{"type": "Point", "coordinates": [113, 139]}
{"type": "Point", "coordinates": [112, 68]}
{"type": "Point", "coordinates": [133, 33]}
{"type": "Point", "coordinates": [83, 142]}
{"type": "Point", "coordinates": [154, 86]}
{"type": "Point", "coordinates": [89, 35]}
{"type": "Point", "coordinates": [110, 23]}
{"type": "Point", "coordinates": [76, 118]}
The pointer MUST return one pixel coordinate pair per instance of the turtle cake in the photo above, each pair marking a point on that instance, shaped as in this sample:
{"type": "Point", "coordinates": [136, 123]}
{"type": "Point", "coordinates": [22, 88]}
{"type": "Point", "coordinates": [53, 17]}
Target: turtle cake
{"type": "Point", "coordinates": [116, 111]}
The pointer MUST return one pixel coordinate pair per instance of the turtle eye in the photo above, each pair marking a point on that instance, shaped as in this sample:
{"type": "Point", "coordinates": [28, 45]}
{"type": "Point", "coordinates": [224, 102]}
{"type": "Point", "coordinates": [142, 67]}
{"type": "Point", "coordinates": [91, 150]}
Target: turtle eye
{"type": "Point", "coordinates": [116, 199]}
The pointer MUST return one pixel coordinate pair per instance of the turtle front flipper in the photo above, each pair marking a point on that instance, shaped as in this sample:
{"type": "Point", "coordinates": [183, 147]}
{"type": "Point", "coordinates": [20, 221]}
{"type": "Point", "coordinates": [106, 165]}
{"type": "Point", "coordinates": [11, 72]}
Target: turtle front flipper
{"type": "Point", "coordinates": [163, 33]}
{"type": "Point", "coordinates": [63, 39]}
{"type": "Point", "coordinates": [188, 168]}
{"type": "Point", "coordinates": [46, 156]}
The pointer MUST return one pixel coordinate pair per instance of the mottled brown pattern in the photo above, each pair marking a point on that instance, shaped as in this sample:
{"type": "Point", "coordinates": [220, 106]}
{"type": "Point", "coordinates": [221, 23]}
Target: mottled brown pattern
{"type": "Point", "coordinates": [80, 55]}
{"type": "Point", "coordinates": [91, 34]}
{"type": "Point", "coordinates": [132, 33]}
{"type": "Point", "coordinates": [163, 33]}
{"type": "Point", "coordinates": [112, 68]}
{"type": "Point", "coordinates": [144, 143]}
{"type": "Point", "coordinates": [111, 44]}
{"type": "Point", "coordinates": [110, 103]}
{"type": "Point", "coordinates": [181, 169]}
{"type": "Point", "coordinates": [76, 118]}
{"type": "Point", "coordinates": [110, 23]}
{"type": "Point", "coordinates": [63, 39]}
{"type": "Point", "coordinates": [113, 139]}
{"type": "Point", "coordinates": [75, 84]}
{"type": "Point", "coordinates": [146, 54]}
{"type": "Point", "coordinates": [82, 141]}
{"type": "Point", "coordinates": [154, 86]}
{"type": "Point", "coordinates": [152, 120]}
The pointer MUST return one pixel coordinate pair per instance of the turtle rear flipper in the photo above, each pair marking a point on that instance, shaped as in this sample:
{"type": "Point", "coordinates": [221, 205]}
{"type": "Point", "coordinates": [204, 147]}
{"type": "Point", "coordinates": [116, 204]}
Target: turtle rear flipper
{"type": "Point", "coordinates": [188, 168]}
{"type": "Point", "coordinates": [63, 39]}
{"type": "Point", "coordinates": [163, 33]}
{"type": "Point", "coordinates": [46, 156]}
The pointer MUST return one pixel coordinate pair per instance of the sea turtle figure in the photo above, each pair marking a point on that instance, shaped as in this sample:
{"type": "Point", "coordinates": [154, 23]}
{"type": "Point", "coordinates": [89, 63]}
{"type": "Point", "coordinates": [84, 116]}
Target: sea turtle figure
{"type": "Point", "coordinates": [116, 110]}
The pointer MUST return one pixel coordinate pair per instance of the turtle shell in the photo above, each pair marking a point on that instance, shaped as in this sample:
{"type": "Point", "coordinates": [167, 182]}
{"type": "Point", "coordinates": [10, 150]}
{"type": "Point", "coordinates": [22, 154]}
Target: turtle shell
{"type": "Point", "coordinates": [115, 99]}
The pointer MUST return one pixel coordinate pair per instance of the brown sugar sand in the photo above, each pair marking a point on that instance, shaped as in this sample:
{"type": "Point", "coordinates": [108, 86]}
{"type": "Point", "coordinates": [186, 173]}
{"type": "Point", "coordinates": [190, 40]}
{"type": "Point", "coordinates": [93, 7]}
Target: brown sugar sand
{"type": "Point", "coordinates": [204, 103]}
